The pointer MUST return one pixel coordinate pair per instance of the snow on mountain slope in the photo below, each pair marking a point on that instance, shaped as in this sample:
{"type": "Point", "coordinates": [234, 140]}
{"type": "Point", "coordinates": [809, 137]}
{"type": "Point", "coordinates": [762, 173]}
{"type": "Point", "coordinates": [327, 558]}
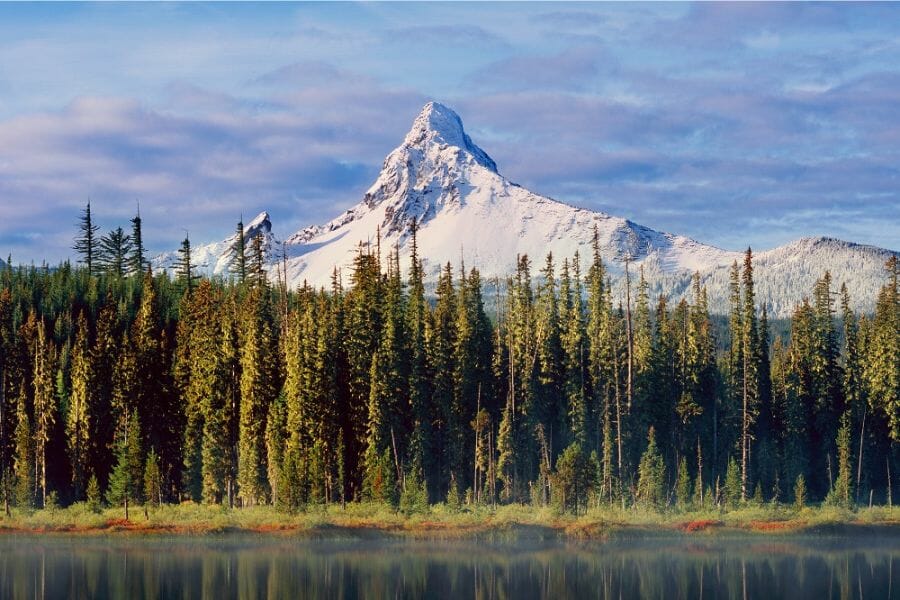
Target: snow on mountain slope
{"type": "Point", "coordinates": [785, 275]}
{"type": "Point", "coordinates": [215, 258]}
{"type": "Point", "coordinates": [465, 210]}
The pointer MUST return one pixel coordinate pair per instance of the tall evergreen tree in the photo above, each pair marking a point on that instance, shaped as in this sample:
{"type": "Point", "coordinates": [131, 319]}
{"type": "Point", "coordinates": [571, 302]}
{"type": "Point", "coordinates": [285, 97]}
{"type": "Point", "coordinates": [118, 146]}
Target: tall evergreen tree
{"type": "Point", "coordinates": [185, 268]}
{"type": "Point", "coordinates": [126, 482]}
{"type": "Point", "coordinates": [113, 252]}
{"type": "Point", "coordinates": [749, 369]}
{"type": "Point", "coordinates": [86, 240]}
{"type": "Point", "coordinates": [24, 463]}
{"type": "Point", "coordinates": [238, 251]}
{"type": "Point", "coordinates": [158, 411]}
{"type": "Point", "coordinates": [136, 260]}
{"type": "Point", "coordinates": [45, 409]}
{"type": "Point", "coordinates": [259, 386]}
{"type": "Point", "coordinates": [79, 410]}
{"type": "Point", "coordinates": [882, 371]}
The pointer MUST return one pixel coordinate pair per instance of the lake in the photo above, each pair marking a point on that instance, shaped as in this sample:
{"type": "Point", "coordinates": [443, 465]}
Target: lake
{"type": "Point", "coordinates": [246, 566]}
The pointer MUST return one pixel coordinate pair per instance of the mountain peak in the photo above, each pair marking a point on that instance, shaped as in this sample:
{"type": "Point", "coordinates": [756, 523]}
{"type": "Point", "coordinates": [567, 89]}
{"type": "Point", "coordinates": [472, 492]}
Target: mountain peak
{"type": "Point", "coordinates": [440, 125]}
{"type": "Point", "coordinates": [260, 224]}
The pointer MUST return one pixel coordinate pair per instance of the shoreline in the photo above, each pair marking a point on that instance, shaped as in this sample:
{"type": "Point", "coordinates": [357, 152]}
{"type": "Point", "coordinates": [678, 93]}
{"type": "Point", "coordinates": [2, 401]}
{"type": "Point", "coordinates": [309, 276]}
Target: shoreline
{"type": "Point", "coordinates": [513, 522]}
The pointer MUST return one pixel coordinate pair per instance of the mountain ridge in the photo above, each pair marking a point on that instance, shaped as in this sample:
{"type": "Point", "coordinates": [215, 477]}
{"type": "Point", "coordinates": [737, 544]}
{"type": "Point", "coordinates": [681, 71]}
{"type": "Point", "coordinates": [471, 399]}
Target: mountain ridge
{"type": "Point", "coordinates": [465, 209]}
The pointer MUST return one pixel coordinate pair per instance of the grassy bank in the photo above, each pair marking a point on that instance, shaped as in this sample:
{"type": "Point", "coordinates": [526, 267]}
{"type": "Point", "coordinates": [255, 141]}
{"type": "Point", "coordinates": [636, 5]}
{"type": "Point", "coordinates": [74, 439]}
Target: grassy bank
{"type": "Point", "coordinates": [370, 519]}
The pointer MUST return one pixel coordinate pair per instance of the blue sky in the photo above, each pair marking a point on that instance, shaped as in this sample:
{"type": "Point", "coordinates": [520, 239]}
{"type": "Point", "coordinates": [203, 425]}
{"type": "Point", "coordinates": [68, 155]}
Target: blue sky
{"type": "Point", "coordinates": [735, 124]}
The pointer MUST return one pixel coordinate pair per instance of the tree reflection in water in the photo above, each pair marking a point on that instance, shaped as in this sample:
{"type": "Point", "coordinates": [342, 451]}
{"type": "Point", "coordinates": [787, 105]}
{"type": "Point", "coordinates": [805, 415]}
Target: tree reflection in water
{"type": "Point", "coordinates": [247, 567]}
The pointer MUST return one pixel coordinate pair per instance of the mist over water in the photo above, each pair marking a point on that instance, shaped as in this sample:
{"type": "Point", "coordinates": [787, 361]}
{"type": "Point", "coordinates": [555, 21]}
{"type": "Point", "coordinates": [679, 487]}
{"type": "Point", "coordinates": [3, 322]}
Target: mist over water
{"type": "Point", "coordinates": [246, 567]}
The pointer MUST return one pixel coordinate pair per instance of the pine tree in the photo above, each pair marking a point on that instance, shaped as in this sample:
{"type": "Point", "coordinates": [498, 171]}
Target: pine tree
{"type": "Point", "coordinates": [238, 251]}
{"type": "Point", "coordinates": [126, 482]}
{"type": "Point", "coordinates": [733, 410]}
{"type": "Point", "coordinates": [749, 369]}
{"type": "Point", "coordinates": [683, 485]}
{"type": "Point", "coordinates": [883, 355]}
{"type": "Point", "coordinates": [419, 382]}
{"type": "Point", "coordinates": [256, 271]}
{"type": "Point", "coordinates": [842, 491]}
{"type": "Point", "coordinates": [204, 391]}
{"type": "Point", "coordinates": [550, 409]}
{"type": "Point", "coordinates": [596, 359]}
{"type": "Point", "coordinates": [136, 260]}
{"type": "Point", "coordinates": [79, 414]}
{"type": "Point", "coordinates": [363, 332]}
{"type": "Point", "coordinates": [185, 268]}
{"type": "Point", "coordinates": [24, 462]}
{"type": "Point", "coordinates": [6, 383]}
{"type": "Point", "coordinates": [276, 447]}
{"type": "Point", "coordinates": [732, 485]}
{"type": "Point", "coordinates": [651, 475]}
{"type": "Point", "coordinates": [93, 495]}
{"type": "Point", "coordinates": [259, 385]}
{"type": "Point", "coordinates": [86, 240]}
{"type": "Point", "coordinates": [103, 422]}
{"type": "Point", "coordinates": [800, 492]}
{"type": "Point", "coordinates": [388, 378]}
{"type": "Point", "coordinates": [472, 368]}
{"type": "Point", "coordinates": [113, 253]}
{"type": "Point", "coordinates": [152, 480]}
{"type": "Point", "coordinates": [574, 479]}
{"type": "Point", "coordinates": [447, 448]}
{"type": "Point", "coordinates": [45, 409]}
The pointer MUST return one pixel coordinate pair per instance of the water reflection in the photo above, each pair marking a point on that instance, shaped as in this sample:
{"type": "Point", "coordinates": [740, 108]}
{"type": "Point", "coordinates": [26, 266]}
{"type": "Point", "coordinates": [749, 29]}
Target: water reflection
{"type": "Point", "coordinates": [248, 567]}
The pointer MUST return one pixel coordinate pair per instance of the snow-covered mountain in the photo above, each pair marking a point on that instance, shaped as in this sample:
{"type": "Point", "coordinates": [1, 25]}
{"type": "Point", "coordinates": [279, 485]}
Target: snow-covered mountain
{"type": "Point", "coordinates": [465, 210]}
{"type": "Point", "coordinates": [215, 258]}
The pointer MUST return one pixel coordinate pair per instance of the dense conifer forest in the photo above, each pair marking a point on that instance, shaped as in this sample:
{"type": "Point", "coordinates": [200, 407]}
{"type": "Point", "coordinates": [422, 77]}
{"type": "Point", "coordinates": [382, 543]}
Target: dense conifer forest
{"type": "Point", "coordinates": [120, 385]}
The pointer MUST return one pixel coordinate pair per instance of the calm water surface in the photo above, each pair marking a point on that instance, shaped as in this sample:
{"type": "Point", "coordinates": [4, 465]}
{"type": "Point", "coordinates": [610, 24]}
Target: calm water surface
{"type": "Point", "coordinates": [242, 566]}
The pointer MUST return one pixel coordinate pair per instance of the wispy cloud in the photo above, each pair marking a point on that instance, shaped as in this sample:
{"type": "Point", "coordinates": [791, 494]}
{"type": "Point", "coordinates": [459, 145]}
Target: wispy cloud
{"type": "Point", "coordinates": [747, 123]}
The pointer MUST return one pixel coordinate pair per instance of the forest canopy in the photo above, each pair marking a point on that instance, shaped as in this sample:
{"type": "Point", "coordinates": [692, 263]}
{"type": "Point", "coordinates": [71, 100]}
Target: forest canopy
{"type": "Point", "coordinates": [118, 384]}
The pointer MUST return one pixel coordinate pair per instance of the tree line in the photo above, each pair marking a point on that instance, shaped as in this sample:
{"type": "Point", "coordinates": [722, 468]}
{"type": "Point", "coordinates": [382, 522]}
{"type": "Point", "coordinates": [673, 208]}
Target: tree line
{"type": "Point", "coordinates": [125, 386]}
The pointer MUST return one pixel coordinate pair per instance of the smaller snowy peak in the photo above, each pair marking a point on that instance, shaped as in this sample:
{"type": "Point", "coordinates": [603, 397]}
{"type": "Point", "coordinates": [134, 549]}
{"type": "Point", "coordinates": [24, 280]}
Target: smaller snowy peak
{"type": "Point", "coordinates": [261, 224]}
{"type": "Point", "coordinates": [439, 125]}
